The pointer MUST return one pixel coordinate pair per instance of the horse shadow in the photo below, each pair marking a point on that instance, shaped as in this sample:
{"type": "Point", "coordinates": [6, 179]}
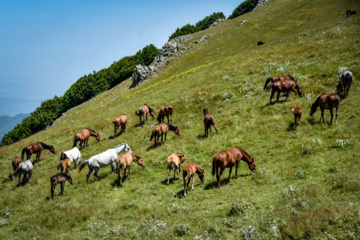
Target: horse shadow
{"type": "Point", "coordinates": [311, 121]}
{"type": "Point", "coordinates": [214, 184]}
{"type": "Point", "coordinates": [291, 127]}
{"type": "Point", "coordinates": [172, 180]}
{"type": "Point", "coordinates": [273, 103]}
{"type": "Point", "coordinates": [201, 137]}
{"type": "Point", "coordinates": [116, 183]}
{"type": "Point", "coordinates": [138, 124]}
{"type": "Point", "coordinates": [154, 146]}
{"type": "Point", "coordinates": [117, 135]}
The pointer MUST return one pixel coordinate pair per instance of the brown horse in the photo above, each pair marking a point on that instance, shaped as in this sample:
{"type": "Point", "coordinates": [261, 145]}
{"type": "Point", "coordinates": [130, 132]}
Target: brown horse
{"type": "Point", "coordinates": [59, 178]}
{"type": "Point", "coordinates": [326, 101]}
{"type": "Point", "coordinates": [120, 121]}
{"type": "Point", "coordinates": [64, 165]}
{"type": "Point", "coordinates": [277, 78]}
{"type": "Point", "coordinates": [161, 129]}
{"type": "Point", "coordinates": [284, 86]}
{"type": "Point", "coordinates": [228, 159]}
{"type": "Point", "coordinates": [35, 148]}
{"type": "Point", "coordinates": [297, 114]}
{"type": "Point", "coordinates": [124, 161]}
{"type": "Point", "coordinates": [83, 137]}
{"type": "Point", "coordinates": [209, 121]}
{"type": "Point", "coordinates": [189, 172]}
{"type": "Point", "coordinates": [143, 112]}
{"type": "Point", "coordinates": [15, 162]}
{"type": "Point", "coordinates": [165, 111]}
{"type": "Point", "coordinates": [173, 162]}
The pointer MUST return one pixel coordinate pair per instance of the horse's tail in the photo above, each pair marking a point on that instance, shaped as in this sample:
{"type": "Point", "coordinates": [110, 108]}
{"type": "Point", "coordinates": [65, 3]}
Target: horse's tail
{"type": "Point", "coordinates": [139, 113]}
{"type": "Point", "coordinates": [83, 165]}
{"type": "Point", "coordinates": [187, 174]}
{"type": "Point", "coordinates": [60, 166]}
{"type": "Point", "coordinates": [210, 122]}
{"type": "Point", "coordinates": [152, 134]}
{"type": "Point", "coordinates": [266, 83]}
{"type": "Point", "coordinates": [270, 86]}
{"type": "Point", "coordinates": [159, 118]}
{"type": "Point", "coordinates": [118, 168]}
{"type": "Point", "coordinates": [75, 141]}
{"type": "Point", "coordinates": [214, 165]}
{"type": "Point", "coordinates": [23, 153]}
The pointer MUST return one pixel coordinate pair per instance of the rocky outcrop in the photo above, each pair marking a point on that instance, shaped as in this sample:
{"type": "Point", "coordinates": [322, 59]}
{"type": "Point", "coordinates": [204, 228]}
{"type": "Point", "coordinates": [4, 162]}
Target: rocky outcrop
{"type": "Point", "coordinates": [217, 22]}
{"type": "Point", "coordinates": [260, 3]}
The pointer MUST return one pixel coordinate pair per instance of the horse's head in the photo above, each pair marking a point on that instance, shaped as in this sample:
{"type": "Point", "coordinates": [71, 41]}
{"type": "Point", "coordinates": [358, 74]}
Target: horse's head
{"type": "Point", "coordinates": [182, 157]}
{"type": "Point", "coordinates": [69, 179]}
{"type": "Point", "coordinates": [201, 175]}
{"type": "Point", "coordinates": [98, 137]}
{"type": "Point", "coordinates": [252, 166]}
{"type": "Point", "coordinates": [205, 111]}
{"type": "Point", "coordinates": [313, 109]}
{"type": "Point", "coordinates": [127, 148]}
{"type": "Point", "coordinates": [152, 113]}
{"type": "Point", "coordinates": [140, 161]}
{"type": "Point", "coordinates": [300, 91]}
{"type": "Point", "coordinates": [52, 149]}
{"type": "Point", "coordinates": [177, 131]}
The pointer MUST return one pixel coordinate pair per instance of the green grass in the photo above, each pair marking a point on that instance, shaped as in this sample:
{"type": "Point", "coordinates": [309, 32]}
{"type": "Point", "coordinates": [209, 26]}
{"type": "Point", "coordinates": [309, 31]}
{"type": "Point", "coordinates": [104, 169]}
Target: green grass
{"type": "Point", "coordinates": [306, 188]}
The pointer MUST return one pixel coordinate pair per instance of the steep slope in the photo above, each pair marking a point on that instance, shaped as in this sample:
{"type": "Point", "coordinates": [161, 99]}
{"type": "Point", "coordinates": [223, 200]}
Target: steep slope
{"type": "Point", "coordinates": [307, 185]}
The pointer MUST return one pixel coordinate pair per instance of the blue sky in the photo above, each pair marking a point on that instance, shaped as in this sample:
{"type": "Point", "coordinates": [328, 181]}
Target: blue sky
{"type": "Point", "coordinates": [45, 46]}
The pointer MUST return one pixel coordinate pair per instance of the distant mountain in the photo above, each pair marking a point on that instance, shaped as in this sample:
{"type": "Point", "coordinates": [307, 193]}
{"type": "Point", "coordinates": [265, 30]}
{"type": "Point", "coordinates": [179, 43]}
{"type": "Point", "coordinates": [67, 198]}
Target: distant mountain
{"type": "Point", "coordinates": [8, 123]}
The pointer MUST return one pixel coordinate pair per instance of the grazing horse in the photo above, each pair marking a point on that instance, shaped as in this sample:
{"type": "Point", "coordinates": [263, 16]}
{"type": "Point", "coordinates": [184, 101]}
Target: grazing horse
{"type": "Point", "coordinates": [173, 162]}
{"type": "Point", "coordinates": [161, 129]}
{"type": "Point", "coordinates": [228, 159]}
{"type": "Point", "coordinates": [209, 121]}
{"type": "Point", "coordinates": [64, 165]}
{"type": "Point", "coordinates": [276, 78]}
{"type": "Point", "coordinates": [189, 171]}
{"type": "Point", "coordinates": [284, 86]}
{"type": "Point", "coordinates": [74, 155]}
{"type": "Point", "coordinates": [25, 168]}
{"type": "Point", "coordinates": [350, 12]}
{"type": "Point", "coordinates": [326, 101]}
{"type": "Point", "coordinates": [143, 112]}
{"type": "Point", "coordinates": [59, 178]}
{"type": "Point", "coordinates": [15, 162]}
{"type": "Point", "coordinates": [120, 121]}
{"type": "Point", "coordinates": [104, 159]}
{"type": "Point", "coordinates": [124, 161]}
{"type": "Point", "coordinates": [297, 114]}
{"type": "Point", "coordinates": [35, 148]}
{"type": "Point", "coordinates": [345, 80]}
{"type": "Point", "coordinates": [165, 111]}
{"type": "Point", "coordinates": [83, 137]}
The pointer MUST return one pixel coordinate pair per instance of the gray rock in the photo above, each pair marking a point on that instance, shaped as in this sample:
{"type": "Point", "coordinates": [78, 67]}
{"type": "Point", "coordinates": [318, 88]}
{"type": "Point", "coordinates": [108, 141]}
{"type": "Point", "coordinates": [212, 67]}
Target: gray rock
{"type": "Point", "coordinates": [217, 22]}
{"type": "Point", "coordinates": [260, 3]}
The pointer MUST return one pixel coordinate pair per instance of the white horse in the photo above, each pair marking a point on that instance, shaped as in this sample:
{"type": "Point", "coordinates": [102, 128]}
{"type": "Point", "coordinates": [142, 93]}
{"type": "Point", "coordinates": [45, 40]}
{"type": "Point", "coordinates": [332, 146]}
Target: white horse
{"type": "Point", "coordinates": [104, 159]}
{"type": "Point", "coordinates": [25, 168]}
{"type": "Point", "coordinates": [345, 80]}
{"type": "Point", "coordinates": [74, 155]}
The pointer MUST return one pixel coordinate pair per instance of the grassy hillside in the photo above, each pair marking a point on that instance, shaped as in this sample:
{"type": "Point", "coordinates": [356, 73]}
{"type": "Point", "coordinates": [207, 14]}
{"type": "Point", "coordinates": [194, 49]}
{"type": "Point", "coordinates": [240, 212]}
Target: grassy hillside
{"type": "Point", "coordinates": [306, 187]}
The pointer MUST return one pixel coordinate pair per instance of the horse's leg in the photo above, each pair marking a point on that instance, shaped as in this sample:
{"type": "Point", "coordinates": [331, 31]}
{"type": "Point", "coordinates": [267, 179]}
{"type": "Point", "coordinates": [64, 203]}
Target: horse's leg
{"type": "Point", "coordinates": [96, 172]}
{"type": "Point", "coordinates": [88, 175]}
{"type": "Point", "coordinates": [169, 175]}
{"type": "Point", "coordinates": [62, 188]}
{"type": "Point", "coordinates": [178, 172]}
{"type": "Point", "coordinates": [331, 113]}
{"type": "Point", "coordinates": [171, 118]}
{"type": "Point", "coordinates": [215, 127]}
{"type": "Point", "coordinates": [30, 173]}
{"type": "Point", "coordinates": [193, 180]}
{"type": "Point", "coordinates": [278, 95]}
{"type": "Point", "coordinates": [19, 176]}
{"type": "Point", "coordinates": [184, 187]}
{"type": "Point", "coordinates": [115, 129]}
{"type": "Point", "coordinates": [272, 94]}
{"type": "Point", "coordinates": [165, 137]}
{"type": "Point", "coordinates": [236, 169]}
{"type": "Point", "coordinates": [322, 114]}
{"type": "Point", "coordinates": [129, 172]}
{"type": "Point", "coordinates": [122, 175]}
{"type": "Point", "coordinates": [53, 186]}
{"type": "Point", "coordinates": [168, 119]}
{"type": "Point", "coordinates": [337, 112]}
{"type": "Point", "coordinates": [112, 167]}
{"type": "Point", "coordinates": [230, 172]}
{"type": "Point", "coordinates": [188, 183]}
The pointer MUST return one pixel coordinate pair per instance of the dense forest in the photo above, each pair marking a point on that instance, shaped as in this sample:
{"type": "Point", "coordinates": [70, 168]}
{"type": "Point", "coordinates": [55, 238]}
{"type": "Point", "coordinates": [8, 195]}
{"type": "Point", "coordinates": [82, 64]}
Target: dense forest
{"type": "Point", "coordinates": [95, 83]}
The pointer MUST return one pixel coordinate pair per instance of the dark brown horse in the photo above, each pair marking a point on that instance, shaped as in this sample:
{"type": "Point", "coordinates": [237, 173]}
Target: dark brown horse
{"type": "Point", "coordinates": [83, 137]}
{"type": "Point", "coordinates": [326, 101]}
{"type": "Point", "coordinates": [15, 162]}
{"type": "Point", "coordinates": [143, 112]}
{"type": "Point", "coordinates": [161, 129]}
{"type": "Point", "coordinates": [228, 159]}
{"type": "Point", "coordinates": [209, 121]}
{"type": "Point", "coordinates": [124, 161]}
{"type": "Point", "coordinates": [297, 114]}
{"type": "Point", "coordinates": [277, 78]}
{"type": "Point", "coordinates": [284, 86]}
{"type": "Point", "coordinates": [35, 148]}
{"type": "Point", "coordinates": [120, 121]}
{"type": "Point", "coordinates": [165, 111]}
{"type": "Point", "coordinates": [59, 178]}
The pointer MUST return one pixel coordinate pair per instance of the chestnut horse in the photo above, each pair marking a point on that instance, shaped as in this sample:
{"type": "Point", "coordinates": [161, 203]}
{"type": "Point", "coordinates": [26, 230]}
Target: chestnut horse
{"type": "Point", "coordinates": [208, 121]}
{"type": "Point", "coordinates": [277, 78]}
{"type": "Point", "coordinates": [228, 159]}
{"type": "Point", "coordinates": [189, 171]}
{"type": "Point", "coordinates": [83, 137]}
{"type": "Point", "coordinates": [284, 86]}
{"type": "Point", "coordinates": [326, 101]}
{"type": "Point", "coordinates": [143, 112]}
{"type": "Point", "coordinates": [120, 121]}
{"type": "Point", "coordinates": [297, 114]}
{"type": "Point", "coordinates": [161, 129]}
{"type": "Point", "coordinates": [15, 162]}
{"type": "Point", "coordinates": [59, 178]}
{"type": "Point", "coordinates": [173, 162]}
{"type": "Point", "coordinates": [36, 148]}
{"type": "Point", "coordinates": [64, 165]}
{"type": "Point", "coordinates": [124, 161]}
{"type": "Point", "coordinates": [165, 111]}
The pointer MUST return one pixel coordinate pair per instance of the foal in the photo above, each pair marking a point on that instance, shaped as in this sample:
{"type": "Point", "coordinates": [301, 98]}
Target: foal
{"type": "Point", "coordinates": [189, 172]}
{"type": "Point", "coordinates": [297, 114]}
{"type": "Point", "coordinates": [120, 121]}
{"type": "Point", "coordinates": [165, 111]}
{"type": "Point", "coordinates": [124, 161]}
{"type": "Point", "coordinates": [209, 121]}
{"type": "Point", "coordinates": [15, 162]}
{"type": "Point", "coordinates": [161, 129]}
{"type": "Point", "coordinates": [143, 112]}
{"type": "Point", "coordinates": [25, 168]}
{"type": "Point", "coordinates": [59, 178]}
{"type": "Point", "coordinates": [173, 162]}
{"type": "Point", "coordinates": [64, 165]}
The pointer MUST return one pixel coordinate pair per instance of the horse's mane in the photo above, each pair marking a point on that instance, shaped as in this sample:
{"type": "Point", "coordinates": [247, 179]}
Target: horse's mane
{"type": "Point", "coordinates": [246, 154]}
{"type": "Point", "coordinates": [117, 146]}
{"type": "Point", "coordinates": [137, 156]}
{"type": "Point", "coordinates": [150, 109]}
{"type": "Point", "coordinates": [172, 127]}
{"type": "Point", "coordinates": [91, 130]}
{"type": "Point", "coordinates": [45, 145]}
